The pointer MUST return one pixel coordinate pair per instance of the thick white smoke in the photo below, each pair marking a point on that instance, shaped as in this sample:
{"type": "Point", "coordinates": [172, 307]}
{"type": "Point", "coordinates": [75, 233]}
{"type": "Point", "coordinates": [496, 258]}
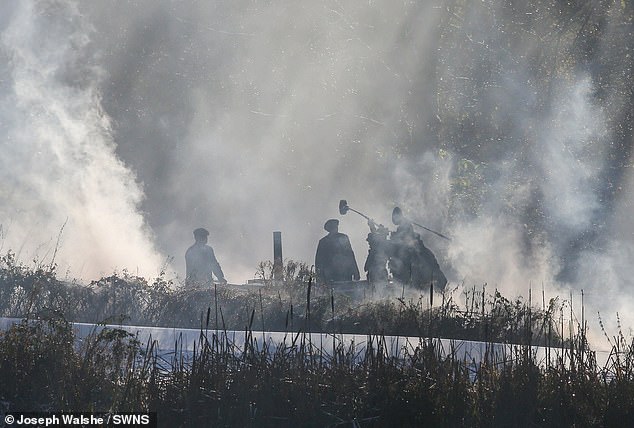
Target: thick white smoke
{"type": "Point", "coordinates": [64, 191]}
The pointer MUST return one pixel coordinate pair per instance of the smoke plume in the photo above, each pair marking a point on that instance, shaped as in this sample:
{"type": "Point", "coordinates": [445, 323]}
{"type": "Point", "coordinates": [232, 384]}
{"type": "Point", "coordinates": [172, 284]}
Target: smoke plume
{"type": "Point", "coordinates": [67, 197]}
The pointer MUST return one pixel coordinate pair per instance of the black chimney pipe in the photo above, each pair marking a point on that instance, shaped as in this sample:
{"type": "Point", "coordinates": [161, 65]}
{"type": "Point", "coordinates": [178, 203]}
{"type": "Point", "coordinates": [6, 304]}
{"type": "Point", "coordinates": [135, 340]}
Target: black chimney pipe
{"type": "Point", "coordinates": [277, 255]}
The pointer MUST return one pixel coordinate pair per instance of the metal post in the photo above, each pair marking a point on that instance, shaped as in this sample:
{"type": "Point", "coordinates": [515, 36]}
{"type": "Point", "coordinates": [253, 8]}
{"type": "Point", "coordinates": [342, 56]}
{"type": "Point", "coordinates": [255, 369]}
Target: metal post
{"type": "Point", "coordinates": [277, 256]}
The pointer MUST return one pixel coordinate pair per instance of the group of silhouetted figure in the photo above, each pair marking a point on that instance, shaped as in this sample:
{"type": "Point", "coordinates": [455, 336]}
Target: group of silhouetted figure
{"type": "Point", "coordinates": [398, 256]}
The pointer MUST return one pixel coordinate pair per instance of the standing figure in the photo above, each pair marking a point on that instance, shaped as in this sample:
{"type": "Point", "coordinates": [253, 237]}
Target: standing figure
{"type": "Point", "coordinates": [402, 248]}
{"type": "Point", "coordinates": [411, 262]}
{"type": "Point", "coordinates": [426, 269]}
{"type": "Point", "coordinates": [378, 254]}
{"type": "Point", "coordinates": [201, 263]}
{"type": "Point", "coordinates": [334, 259]}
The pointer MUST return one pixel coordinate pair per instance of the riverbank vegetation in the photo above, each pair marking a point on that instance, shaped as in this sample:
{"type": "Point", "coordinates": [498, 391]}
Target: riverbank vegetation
{"type": "Point", "coordinates": [297, 383]}
{"type": "Point", "coordinates": [292, 303]}
{"type": "Point", "coordinates": [43, 366]}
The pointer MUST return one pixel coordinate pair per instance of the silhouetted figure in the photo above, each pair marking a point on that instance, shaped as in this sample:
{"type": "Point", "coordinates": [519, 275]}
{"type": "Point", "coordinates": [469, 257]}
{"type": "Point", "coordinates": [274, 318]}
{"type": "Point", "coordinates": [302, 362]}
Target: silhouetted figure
{"type": "Point", "coordinates": [378, 254]}
{"type": "Point", "coordinates": [334, 260]}
{"type": "Point", "coordinates": [411, 262]}
{"type": "Point", "coordinates": [201, 263]}
{"type": "Point", "coordinates": [402, 244]}
{"type": "Point", "coordinates": [425, 268]}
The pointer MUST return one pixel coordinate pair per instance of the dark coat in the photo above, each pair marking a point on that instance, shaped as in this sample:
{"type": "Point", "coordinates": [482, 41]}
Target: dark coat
{"type": "Point", "coordinates": [378, 254]}
{"type": "Point", "coordinates": [402, 248]}
{"type": "Point", "coordinates": [411, 262]}
{"type": "Point", "coordinates": [425, 268]}
{"type": "Point", "coordinates": [201, 263]}
{"type": "Point", "coordinates": [334, 260]}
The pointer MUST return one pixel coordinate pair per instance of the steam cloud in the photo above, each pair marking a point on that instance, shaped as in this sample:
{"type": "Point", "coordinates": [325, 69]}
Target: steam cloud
{"type": "Point", "coordinates": [247, 117]}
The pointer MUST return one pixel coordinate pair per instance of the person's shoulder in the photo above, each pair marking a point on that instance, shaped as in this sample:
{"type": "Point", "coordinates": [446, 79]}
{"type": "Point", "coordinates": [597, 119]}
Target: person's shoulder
{"type": "Point", "coordinates": [205, 248]}
{"type": "Point", "coordinates": [199, 248]}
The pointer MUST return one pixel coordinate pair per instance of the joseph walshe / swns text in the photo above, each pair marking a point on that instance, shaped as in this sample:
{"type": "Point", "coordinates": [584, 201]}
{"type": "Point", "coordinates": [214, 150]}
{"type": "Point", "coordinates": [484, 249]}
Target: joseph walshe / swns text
{"type": "Point", "coordinates": [32, 419]}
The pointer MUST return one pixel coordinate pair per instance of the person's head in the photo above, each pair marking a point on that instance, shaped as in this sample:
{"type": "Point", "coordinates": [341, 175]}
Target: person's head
{"type": "Point", "coordinates": [397, 216]}
{"type": "Point", "coordinates": [200, 235]}
{"type": "Point", "coordinates": [332, 225]}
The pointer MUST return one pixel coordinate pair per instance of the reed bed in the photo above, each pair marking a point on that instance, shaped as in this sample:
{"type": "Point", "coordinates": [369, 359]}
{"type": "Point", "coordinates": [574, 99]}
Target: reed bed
{"type": "Point", "coordinates": [293, 303]}
{"type": "Point", "coordinates": [297, 383]}
{"type": "Point", "coordinates": [43, 366]}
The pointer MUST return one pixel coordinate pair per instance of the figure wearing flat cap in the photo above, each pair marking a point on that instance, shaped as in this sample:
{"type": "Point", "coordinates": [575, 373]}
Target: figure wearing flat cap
{"type": "Point", "coordinates": [334, 260]}
{"type": "Point", "coordinates": [201, 263]}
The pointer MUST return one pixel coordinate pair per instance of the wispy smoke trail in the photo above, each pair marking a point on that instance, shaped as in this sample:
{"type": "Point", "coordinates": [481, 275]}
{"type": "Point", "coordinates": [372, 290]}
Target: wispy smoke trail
{"type": "Point", "coordinates": [523, 244]}
{"type": "Point", "coordinates": [58, 157]}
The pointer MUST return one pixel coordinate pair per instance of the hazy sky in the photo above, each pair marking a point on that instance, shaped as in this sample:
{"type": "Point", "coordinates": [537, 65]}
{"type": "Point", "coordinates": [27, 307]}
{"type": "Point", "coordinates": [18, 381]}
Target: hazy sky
{"type": "Point", "coordinates": [126, 125]}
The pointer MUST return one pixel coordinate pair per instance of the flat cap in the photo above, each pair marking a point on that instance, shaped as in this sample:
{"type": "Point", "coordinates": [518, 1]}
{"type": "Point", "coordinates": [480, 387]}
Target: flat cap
{"type": "Point", "coordinates": [331, 224]}
{"type": "Point", "coordinates": [201, 232]}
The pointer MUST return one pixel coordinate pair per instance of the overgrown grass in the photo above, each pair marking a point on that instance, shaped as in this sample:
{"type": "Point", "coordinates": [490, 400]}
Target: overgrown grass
{"type": "Point", "coordinates": [294, 383]}
{"type": "Point", "coordinates": [43, 369]}
{"type": "Point", "coordinates": [292, 303]}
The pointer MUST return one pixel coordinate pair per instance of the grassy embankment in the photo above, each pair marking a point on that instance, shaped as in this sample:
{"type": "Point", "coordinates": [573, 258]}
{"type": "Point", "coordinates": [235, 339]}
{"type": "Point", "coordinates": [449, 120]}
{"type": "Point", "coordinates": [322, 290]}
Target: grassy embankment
{"type": "Point", "coordinates": [295, 383]}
